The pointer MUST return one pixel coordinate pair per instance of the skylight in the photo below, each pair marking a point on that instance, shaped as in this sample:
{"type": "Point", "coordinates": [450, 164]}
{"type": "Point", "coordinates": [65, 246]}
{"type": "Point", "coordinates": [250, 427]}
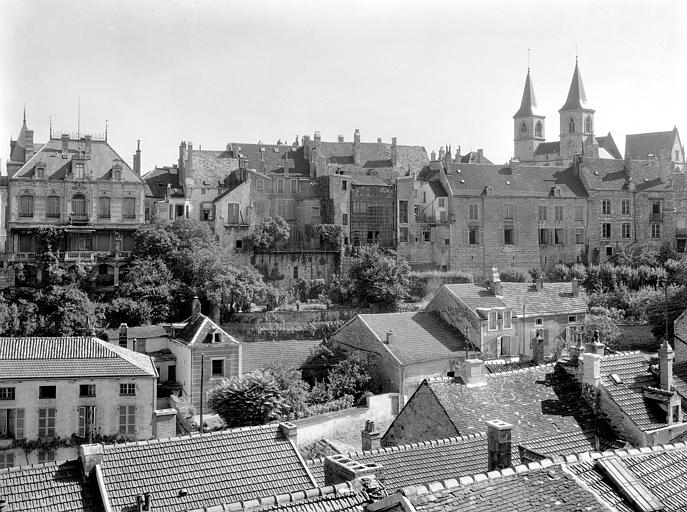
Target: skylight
{"type": "Point", "coordinates": [616, 378]}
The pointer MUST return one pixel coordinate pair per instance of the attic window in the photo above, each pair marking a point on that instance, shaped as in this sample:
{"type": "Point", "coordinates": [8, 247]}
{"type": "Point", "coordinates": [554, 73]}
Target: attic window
{"type": "Point", "coordinates": [616, 378]}
{"type": "Point", "coordinates": [262, 150]}
{"type": "Point", "coordinates": [117, 173]}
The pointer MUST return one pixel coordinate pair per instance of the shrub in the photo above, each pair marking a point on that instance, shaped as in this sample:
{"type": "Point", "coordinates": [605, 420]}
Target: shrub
{"type": "Point", "coordinates": [515, 275]}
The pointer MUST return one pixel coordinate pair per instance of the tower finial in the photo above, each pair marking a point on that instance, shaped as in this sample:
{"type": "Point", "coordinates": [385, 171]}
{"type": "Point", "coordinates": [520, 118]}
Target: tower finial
{"type": "Point", "coordinates": [50, 133]}
{"type": "Point", "coordinates": [529, 50]}
{"type": "Point", "coordinates": [24, 112]}
{"type": "Point", "coordinates": [576, 53]}
{"type": "Point", "coordinates": [105, 130]}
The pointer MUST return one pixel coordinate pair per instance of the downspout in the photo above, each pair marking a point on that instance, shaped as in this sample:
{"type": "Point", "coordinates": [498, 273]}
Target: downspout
{"type": "Point", "coordinates": [401, 396]}
{"type": "Point", "coordinates": [523, 331]}
{"type": "Point", "coordinates": [484, 245]}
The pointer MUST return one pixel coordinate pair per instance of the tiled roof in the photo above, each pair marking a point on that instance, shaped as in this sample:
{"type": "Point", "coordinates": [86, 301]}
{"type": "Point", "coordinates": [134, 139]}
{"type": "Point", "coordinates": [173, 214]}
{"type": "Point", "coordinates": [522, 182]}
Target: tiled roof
{"type": "Point", "coordinates": [569, 442]}
{"type": "Point", "coordinates": [101, 161]}
{"type": "Point", "coordinates": [644, 146]}
{"type": "Point", "coordinates": [375, 155]}
{"type": "Point", "coordinates": [423, 462]}
{"type": "Point", "coordinates": [272, 158]}
{"type": "Point", "coordinates": [604, 174]}
{"type": "Point", "coordinates": [577, 98]}
{"type": "Point", "coordinates": [158, 179]}
{"type": "Point", "coordinates": [499, 367]}
{"type": "Point", "coordinates": [50, 487]}
{"type": "Point", "coordinates": [523, 399]}
{"type": "Point", "coordinates": [633, 370]}
{"type": "Point", "coordinates": [555, 298]}
{"type": "Point", "coordinates": [200, 331]}
{"type": "Point", "coordinates": [417, 336]}
{"type": "Point", "coordinates": [520, 180]}
{"type": "Point", "coordinates": [288, 353]}
{"type": "Point", "coordinates": [528, 105]}
{"type": "Point", "coordinates": [437, 188]}
{"type": "Point", "coordinates": [548, 148]}
{"type": "Point", "coordinates": [221, 467]}
{"type": "Point", "coordinates": [69, 357]}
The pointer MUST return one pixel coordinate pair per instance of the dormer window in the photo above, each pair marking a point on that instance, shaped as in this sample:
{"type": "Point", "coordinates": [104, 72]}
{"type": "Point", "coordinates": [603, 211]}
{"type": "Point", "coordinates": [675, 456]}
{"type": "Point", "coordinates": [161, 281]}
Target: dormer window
{"type": "Point", "coordinates": [493, 320]}
{"type": "Point", "coordinates": [79, 171]}
{"type": "Point", "coordinates": [117, 173]}
{"type": "Point", "coordinates": [556, 191]}
{"type": "Point", "coordinates": [40, 171]}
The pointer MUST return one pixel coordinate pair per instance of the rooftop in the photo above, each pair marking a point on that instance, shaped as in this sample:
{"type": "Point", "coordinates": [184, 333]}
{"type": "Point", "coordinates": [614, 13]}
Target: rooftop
{"type": "Point", "coordinates": [647, 175]}
{"type": "Point", "coordinates": [289, 353]}
{"type": "Point", "coordinates": [69, 357]}
{"type": "Point", "coordinates": [645, 146]}
{"type": "Point", "coordinates": [201, 330]}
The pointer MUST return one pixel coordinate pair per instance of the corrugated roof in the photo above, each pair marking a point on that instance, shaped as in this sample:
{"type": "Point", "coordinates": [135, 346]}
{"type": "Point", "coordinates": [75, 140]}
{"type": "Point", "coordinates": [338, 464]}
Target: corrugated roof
{"type": "Point", "coordinates": [221, 467]}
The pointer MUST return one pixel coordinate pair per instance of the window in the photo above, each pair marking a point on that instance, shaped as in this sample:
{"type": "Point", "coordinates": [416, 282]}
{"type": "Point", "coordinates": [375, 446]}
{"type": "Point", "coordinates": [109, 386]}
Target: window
{"type": "Point", "coordinates": [508, 212]}
{"type": "Point", "coordinates": [172, 373]}
{"type": "Point", "coordinates": [523, 129]}
{"type": "Point", "coordinates": [205, 214]}
{"type": "Point", "coordinates": [26, 242]}
{"type": "Point", "coordinates": [79, 171]}
{"type": "Point", "coordinates": [7, 393]}
{"type": "Point", "coordinates": [344, 185]}
{"type": "Point", "coordinates": [625, 229]}
{"type": "Point", "coordinates": [509, 235]}
{"type": "Point", "coordinates": [258, 185]}
{"type": "Point", "coordinates": [507, 319]}
{"type": "Point", "coordinates": [295, 272]}
{"type": "Point", "coordinates": [146, 213]}
{"type": "Point", "coordinates": [26, 206]}
{"type": "Point", "coordinates": [46, 456]}
{"type": "Point", "coordinates": [315, 214]}
{"type": "Point", "coordinates": [344, 219]}
{"type": "Point", "coordinates": [539, 321]}
{"type": "Point", "coordinates": [473, 212]}
{"type": "Point", "coordinates": [655, 231]}
{"type": "Point", "coordinates": [104, 207]}
{"type": "Point", "coordinates": [473, 236]}
{"type": "Point", "coordinates": [239, 243]}
{"type": "Point", "coordinates": [403, 212]}
{"type": "Point", "coordinates": [545, 236]}
{"type": "Point", "coordinates": [572, 319]}
{"type": "Point", "coordinates": [46, 423]}
{"type": "Point", "coordinates": [117, 173]}
{"type": "Point", "coordinates": [280, 186]}
{"type": "Point", "coordinates": [294, 186]}
{"type": "Point", "coordinates": [426, 234]}
{"type": "Point", "coordinates": [47, 392]}
{"type": "Point", "coordinates": [233, 213]}
{"type": "Point", "coordinates": [86, 390]}
{"type": "Point", "coordinates": [559, 236]}
{"type": "Point", "coordinates": [558, 213]}
{"type": "Point", "coordinates": [579, 236]}
{"type": "Point", "coordinates": [493, 316]}
{"type": "Point", "coordinates": [656, 211]}
{"type": "Point", "coordinates": [606, 230]}
{"type": "Point", "coordinates": [403, 235]}
{"type": "Point", "coordinates": [52, 207]}
{"type": "Point", "coordinates": [625, 207]}
{"type": "Point", "coordinates": [129, 207]}
{"type": "Point", "coordinates": [588, 124]}
{"type": "Point", "coordinates": [538, 130]}
{"type": "Point", "coordinates": [127, 419]}
{"type": "Point", "coordinates": [6, 460]}
{"type": "Point", "coordinates": [11, 424]}
{"type": "Point", "coordinates": [79, 205]}
{"type": "Point", "coordinates": [416, 211]}
{"type": "Point", "coordinates": [424, 197]}
{"type": "Point", "coordinates": [218, 364]}
{"type": "Point", "coordinates": [579, 213]}
{"type": "Point", "coordinates": [442, 202]}
{"type": "Point", "coordinates": [571, 126]}
{"type": "Point", "coordinates": [447, 241]}
{"type": "Point", "coordinates": [202, 191]}
{"type": "Point", "coordinates": [606, 207]}
{"type": "Point", "coordinates": [609, 250]}
{"type": "Point", "coordinates": [86, 420]}
{"type": "Point", "coordinates": [542, 212]}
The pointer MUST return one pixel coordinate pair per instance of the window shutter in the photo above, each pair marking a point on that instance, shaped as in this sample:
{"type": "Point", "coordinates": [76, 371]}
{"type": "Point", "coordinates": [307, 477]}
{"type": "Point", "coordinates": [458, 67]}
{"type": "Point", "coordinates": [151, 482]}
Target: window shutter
{"type": "Point", "coordinates": [19, 426]}
{"type": "Point", "coordinates": [82, 422]}
{"type": "Point", "coordinates": [467, 235]}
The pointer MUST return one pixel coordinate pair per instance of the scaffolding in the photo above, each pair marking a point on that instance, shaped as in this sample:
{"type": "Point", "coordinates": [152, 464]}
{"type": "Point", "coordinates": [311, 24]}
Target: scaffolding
{"type": "Point", "coordinates": [373, 215]}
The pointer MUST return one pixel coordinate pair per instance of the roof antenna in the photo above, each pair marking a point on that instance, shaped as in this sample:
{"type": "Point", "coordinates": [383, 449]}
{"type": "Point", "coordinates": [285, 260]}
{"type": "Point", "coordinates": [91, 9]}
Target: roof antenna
{"type": "Point", "coordinates": [78, 117]}
{"type": "Point", "coordinates": [50, 126]}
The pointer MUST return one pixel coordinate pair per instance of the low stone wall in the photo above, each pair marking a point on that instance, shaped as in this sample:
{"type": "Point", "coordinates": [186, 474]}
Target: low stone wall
{"type": "Point", "coordinates": [323, 315]}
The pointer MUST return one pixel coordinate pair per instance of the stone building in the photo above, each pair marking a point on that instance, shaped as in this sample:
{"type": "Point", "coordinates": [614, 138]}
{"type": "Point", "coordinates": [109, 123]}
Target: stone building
{"type": "Point", "coordinates": [80, 185]}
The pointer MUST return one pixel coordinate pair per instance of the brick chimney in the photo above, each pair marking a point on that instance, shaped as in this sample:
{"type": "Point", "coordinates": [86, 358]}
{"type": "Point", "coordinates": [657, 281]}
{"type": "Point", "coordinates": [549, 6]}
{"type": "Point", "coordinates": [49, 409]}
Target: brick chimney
{"type": "Point", "coordinates": [666, 356]}
{"type": "Point", "coordinates": [575, 287]}
{"type": "Point", "coordinates": [91, 455]}
{"type": "Point", "coordinates": [289, 431]}
{"type": "Point", "coordinates": [123, 335]}
{"type": "Point", "coordinates": [394, 152]}
{"type": "Point", "coordinates": [144, 502]}
{"type": "Point", "coordinates": [480, 155]}
{"type": "Point", "coordinates": [433, 156]}
{"type": "Point", "coordinates": [370, 437]}
{"type": "Point", "coordinates": [495, 284]}
{"type": "Point", "coordinates": [317, 138]}
{"type": "Point", "coordinates": [442, 153]}
{"type": "Point", "coordinates": [447, 157]}
{"type": "Point", "coordinates": [137, 159]}
{"type": "Point", "coordinates": [195, 309]}
{"type": "Point", "coordinates": [499, 444]}
{"type": "Point", "coordinates": [339, 469]}
{"type": "Point", "coordinates": [188, 168]}
{"type": "Point", "coordinates": [165, 424]}
{"type": "Point", "coordinates": [474, 373]}
{"type": "Point", "coordinates": [356, 147]}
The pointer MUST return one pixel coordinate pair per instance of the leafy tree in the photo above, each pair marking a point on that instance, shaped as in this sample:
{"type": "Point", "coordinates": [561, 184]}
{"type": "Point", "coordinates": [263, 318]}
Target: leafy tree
{"type": "Point", "coordinates": [271, 233]}
{"type": "Point", "coordinates": [149, 283]}
{"type": "Point", "coordinates": [66, 311]}
{"type": "Point", "coordinates": [350, 376]}
{"type": "Point", "coordinates": [608, 330]}
{"type": "Point", "coordinates": [657, 310]}
{"type": "Point", "coordinates": [255, 398]}
{"type": "Point", "coordinates": [320, 362]}
{"type": "Point", "coordinates": [515, 275]}
{"type": "Point", "coordinates": [18, 317]}
{"type": "Point", "coordinates": [295, 390]}
{"type": "Point", "coordinates": [379, 277]}
{"type": "Point", "coordinates": [124, 310]}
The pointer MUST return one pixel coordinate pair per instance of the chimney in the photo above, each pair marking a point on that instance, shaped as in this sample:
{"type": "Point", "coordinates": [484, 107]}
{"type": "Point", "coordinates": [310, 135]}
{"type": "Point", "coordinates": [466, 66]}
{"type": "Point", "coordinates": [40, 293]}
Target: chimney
{"type": "Point", "coordinates": [480, 155]}
{"type": "Point", "coordinates": [356, 147]}
{"type": "Point", "coordinates": [65, 145]}
{"type": "Point", "coordinates": [394, 152]}
{"type": "Point", "coordinates": [379, 140]}
{"type": "Point", "coordinates": [495, 284]}
{"type": "Point", "coordinates": [91, 455]}
{"type": "Point", "coordinates": [165, 424]}
{"type": "Point", "coordinates": [144, 502]}
{"type": "Point", "coordinates": [195, 309]}
{"type": "Point", "coordinates": [593, 353]}
{"type": "Point", "coordinates": [87, 144]}
{"type": "Point", "coordinates": [317, 138]}
{"type": "Point", "coordinates": [306, 146]}
{"type": "Point", "coordinates": [124, 335]}
{"type": "Point", "coordinates": [540, 283]}
{"type": "Point", "coordinates": [28, 140]}
{"type": "Point", "coordinates": [137, 159]}
{"type": "Point", "coordinates": [442, 153]}
{"type": "Point", "coordinates": [666, 355]}
{"type": "Point", "coordinates": [538, 348]}
{"type": "Point", "coordinates": [339, 469]}
{"type": "Point", "coordinates": [575, 287]}
{"type": "Point", "coordinates": [433, 156]}
{"type": "Point", "coordinates": [370, 437]}
{"type": "Point", "coordinates": [474, 373]}
{"type": "Point", "coordinates": [389, 336]}
{"type": "Point", "coordinates": [188, 168]}
{"type": "Point", "coordinates": [289, 431]}
{"type": "Point", "coordinates": [341, 138]}
{"type": "Point", "coordinates": [499, 444]}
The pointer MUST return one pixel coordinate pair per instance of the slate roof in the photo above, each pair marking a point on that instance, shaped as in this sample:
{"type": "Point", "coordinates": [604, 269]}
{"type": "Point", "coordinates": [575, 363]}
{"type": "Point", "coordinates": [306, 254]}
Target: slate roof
{"type": "Point", "coordinates": [644, 146]}
{"type": "Point", "coordinates": [472, 157]}
{"type": "Point", "coordinates": [528, 105]}
{"type": "Point", "coordinates": [422, 462]}
{"type": "Point", "coordinates": [101, 161]}
{"type": "Point", "coordinates": [26, 358]}
{"type": "Point", "coordinates": [273, 158]}
{"type": "Point", "coordinates": [200, 331]}
{"type": "Point", "coordinates": [608, 143]}
{"type": "Point", "coordinates": [569, 442]}
{"type": "Point", "coordinates": [518, 181]}
{"type": "Point", "coordinates": [288, 353]}
{"type": "Point", "coordinates": [375, 155]}
{"type": "Point", "coordinates": [523, 399]}
{"type": "Point", "coordinates": [604, 174]}
{"type": "Point", "coordinates": [548, 148]}
{"type": "Point", "coordinates": [577, 98]}
{"type": "Point", "coordinates": [417, 336]}
{"type": "Point", "coordinates": [220, 467]}
{"type": "Point", "coordinates": [49, 487]}
{"type": "Point", "coordinates": [158, 179]}
{"type": "Point", "coordinates": [555, 298]}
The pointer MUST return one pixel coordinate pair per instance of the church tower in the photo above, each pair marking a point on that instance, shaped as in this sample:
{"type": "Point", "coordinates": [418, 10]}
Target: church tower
{"type": "Point", "coordinates": [577, 121]}
{"type": "Point", "coordinates": [528, 125]}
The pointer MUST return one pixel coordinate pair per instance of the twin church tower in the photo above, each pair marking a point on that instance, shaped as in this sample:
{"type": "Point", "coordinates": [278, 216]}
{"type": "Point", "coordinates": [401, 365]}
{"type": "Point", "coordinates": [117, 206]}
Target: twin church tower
{"type": "Point", "coordinates": [576, 126]}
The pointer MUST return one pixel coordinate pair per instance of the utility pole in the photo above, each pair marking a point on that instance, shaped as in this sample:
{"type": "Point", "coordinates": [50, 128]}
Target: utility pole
{"type": "Point", "coordinates": [202, 373]}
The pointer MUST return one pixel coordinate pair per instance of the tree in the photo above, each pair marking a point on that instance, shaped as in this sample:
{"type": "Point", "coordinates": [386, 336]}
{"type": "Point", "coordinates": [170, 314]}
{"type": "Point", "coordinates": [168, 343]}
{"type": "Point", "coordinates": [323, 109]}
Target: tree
{"type": "Point", "coordinates": [149, 283]}
{"type": "Point", "coordinates": [350, 376]}
{"type": "Point", "coordinates": [255, 398]}
{"type": "Point", "coordinates": [608, 330]}
{"type": "Point", "coordinates": [322, 359]}
{"type": "Point", "coordinates": [124, 310]}
{"type": "Point", "coordinates": [18, 318]}
{"type": "Point", "coordinates": [271, 233]}
{"type": "Point", "coordinates": [294, 389]}
{"type": "Point", "coordinates": [66, 311]}
{"type": "Point", "coordinates": [379, 277]}
{"type": "Point", "coordinates": [673, 307]}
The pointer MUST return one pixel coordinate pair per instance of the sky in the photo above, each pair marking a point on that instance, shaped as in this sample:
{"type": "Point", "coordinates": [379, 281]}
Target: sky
{"type": "Point", "coordinates": [429, 72]}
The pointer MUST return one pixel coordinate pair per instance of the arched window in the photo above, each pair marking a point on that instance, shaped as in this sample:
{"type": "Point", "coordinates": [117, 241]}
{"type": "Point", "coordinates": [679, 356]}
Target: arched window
{"type": "Point", "coordinates": [571, 126]}
{"type": "Point", "coordinates": [588, 124]}
{"type": "Point", "coordinates": [79, 205]}
{"type": "Point", "coordinates": [523, 129]}
{"type": "Point", "coordinates": [538, 130]}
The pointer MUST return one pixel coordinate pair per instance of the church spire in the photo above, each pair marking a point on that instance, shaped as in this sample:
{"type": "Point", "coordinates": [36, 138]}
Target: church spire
{"type": "Point", "coordinates": [577, 99]}
{"type": "Point", "coordinates": [528, 105]}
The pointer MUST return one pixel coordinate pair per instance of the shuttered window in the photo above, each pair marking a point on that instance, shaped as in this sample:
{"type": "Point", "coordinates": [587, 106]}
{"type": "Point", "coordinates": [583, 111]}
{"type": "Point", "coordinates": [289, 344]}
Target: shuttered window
{"type": "Point", "coordinates": [52, 207]}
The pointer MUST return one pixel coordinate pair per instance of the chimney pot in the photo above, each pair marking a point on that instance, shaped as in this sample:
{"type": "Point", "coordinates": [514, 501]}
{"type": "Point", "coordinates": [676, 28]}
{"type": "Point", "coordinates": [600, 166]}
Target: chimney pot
{"type": "Point", "coordinates": [389, 337]}
{"type": "Point", "coordinates": [317, 137]}
{"type": "Point", "coordinates": [370, 437]}
{"type": "Point", "coordinates": [379, 140]}
{"type": "Point", "coordinates": [148, 506]}
{"type": "Point", "coordinates": [339, 469]}
{"type": "Point", "coordinates": [499, 444]}
{"type": "Point", "coordinates": [289, 430]}
{"type": "Point", "coordinates": [91, 455]}
{"type": "Point", "coordinates": [356, 147]}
